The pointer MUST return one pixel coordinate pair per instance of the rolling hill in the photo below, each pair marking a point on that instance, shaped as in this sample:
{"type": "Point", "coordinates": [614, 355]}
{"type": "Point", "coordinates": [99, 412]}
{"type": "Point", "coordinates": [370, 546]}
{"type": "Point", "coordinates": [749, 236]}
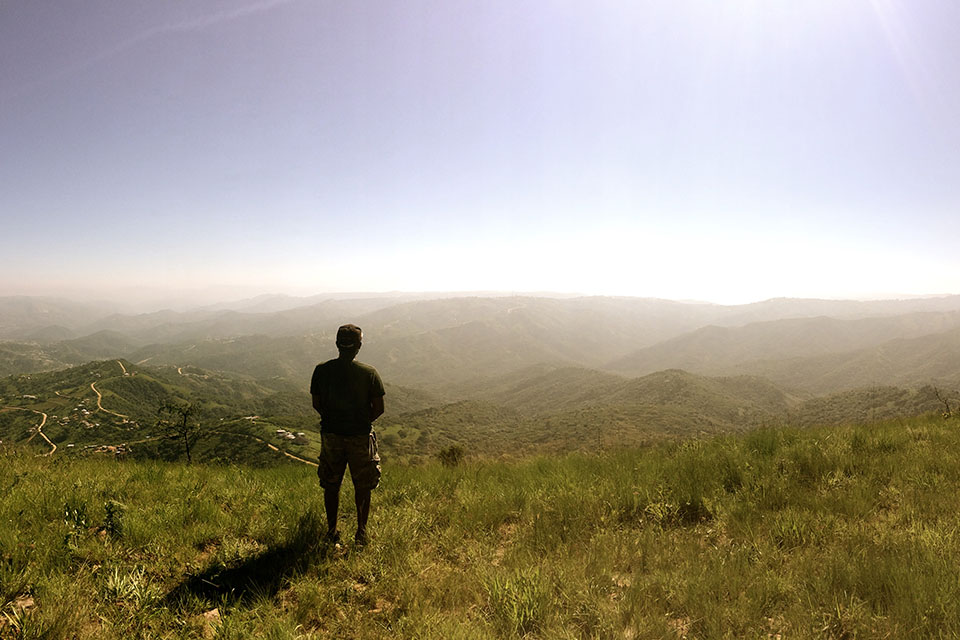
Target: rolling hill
{"type": "Point", "coordinates": [715, 350]}
{"type": "Point", "coordinates": [930, 359]}
{"type": "Point", "coordinates": [433, 344]}
{"type": "Point", "coordinates": [114, 402]}
{"type": "Point", "coordinates": [542, 409]}
{"type": "Point", "coordinates": [554, 409]}
{"type": "Point", "coordinates": [35, 356]}
{"type": "Point", "coordinates": [24, 316]}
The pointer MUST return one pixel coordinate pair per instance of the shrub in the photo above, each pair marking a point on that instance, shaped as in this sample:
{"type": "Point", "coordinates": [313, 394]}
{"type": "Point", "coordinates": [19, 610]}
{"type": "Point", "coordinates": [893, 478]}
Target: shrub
{"type": "Point", "coordinates": [451, 456]}
{"type": "Point", "coordinates": [113, 522]}
{"type": "Point", "coordinates": [390, 439]}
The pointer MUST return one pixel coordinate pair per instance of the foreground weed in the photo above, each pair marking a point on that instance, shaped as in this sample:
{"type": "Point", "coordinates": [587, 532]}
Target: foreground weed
{"type": "Point", "coordinates": [75, 518]}
{"type": "Point", "coordinates": [113, 521]}
{"type": "Point", "coordinates": [49, 621]}
{"type": "Point", "coordinates": [14, 579]}
{"type": "Point", "coordinates": [519, 601]}
{"type": "Point", "coordinates": [846, 619]}
{"type": "Point", "coordinates": [791, 529]}
{"type": "Point", "coordinates": [132, 587]}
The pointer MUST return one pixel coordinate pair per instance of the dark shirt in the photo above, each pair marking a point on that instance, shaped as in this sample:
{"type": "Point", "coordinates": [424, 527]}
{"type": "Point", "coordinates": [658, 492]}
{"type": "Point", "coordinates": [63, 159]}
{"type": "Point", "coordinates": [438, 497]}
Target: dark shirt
{"type": "Point", "coordinates": [345, 388]}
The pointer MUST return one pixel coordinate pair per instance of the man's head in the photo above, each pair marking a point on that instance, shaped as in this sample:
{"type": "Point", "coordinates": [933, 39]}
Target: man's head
{"type": "Point", "coordinates": [349, 339]}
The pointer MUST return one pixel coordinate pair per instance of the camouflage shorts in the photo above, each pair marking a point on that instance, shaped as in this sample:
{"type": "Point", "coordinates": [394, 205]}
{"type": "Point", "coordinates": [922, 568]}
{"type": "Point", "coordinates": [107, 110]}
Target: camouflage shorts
{"type": "Point", "coordinates": [359, 452]}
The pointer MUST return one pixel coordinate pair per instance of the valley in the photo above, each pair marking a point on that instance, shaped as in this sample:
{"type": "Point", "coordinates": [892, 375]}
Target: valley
{"type": "Point", "coordinates": [507, 376]}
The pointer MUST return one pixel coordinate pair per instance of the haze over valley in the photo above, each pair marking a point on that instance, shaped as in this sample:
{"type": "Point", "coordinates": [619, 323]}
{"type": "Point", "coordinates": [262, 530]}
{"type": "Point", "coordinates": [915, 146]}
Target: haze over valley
{"type": "Point", "coordinates": [495, 374]}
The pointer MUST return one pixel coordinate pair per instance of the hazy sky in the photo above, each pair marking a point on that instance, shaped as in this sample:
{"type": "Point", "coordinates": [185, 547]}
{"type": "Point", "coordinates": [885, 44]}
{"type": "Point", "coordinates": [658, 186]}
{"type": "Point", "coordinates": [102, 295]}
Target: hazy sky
{"type": "Point", "coordinates": [724, 150]}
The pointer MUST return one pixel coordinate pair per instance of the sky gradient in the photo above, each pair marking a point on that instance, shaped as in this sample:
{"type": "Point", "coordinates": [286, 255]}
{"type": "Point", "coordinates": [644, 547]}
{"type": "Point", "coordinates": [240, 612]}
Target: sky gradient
{"type": "Point", "coordinates": [724, 151]}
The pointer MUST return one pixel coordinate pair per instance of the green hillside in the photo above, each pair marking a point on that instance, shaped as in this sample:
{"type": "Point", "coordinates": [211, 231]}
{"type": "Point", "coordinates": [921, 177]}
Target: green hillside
{"type": "Point", "coordinates": [541, 389]}
{"type": "Point", "coordinates": [30, 357]}
{"type": "Point", "coordinates": [548, 410]}
{"type": "Point", "coordinates": [537, 410]}
{"type": "Point", "coordinates": [18, 357]}
{"type": "Point", "coordinates": [873, 404]}
{"type": "Point", "coordinates": [122, 419]}
{"type": "Point", "coordinates": [255, 356]}
{"type": "Point", "coordinates": [548, 390]}
{"type": "Point", "coordinates": [48, 334]}
{"type": "Point", "coordinates": [237, 417]}
{"type": "Point", "coordinates": [835, 532]}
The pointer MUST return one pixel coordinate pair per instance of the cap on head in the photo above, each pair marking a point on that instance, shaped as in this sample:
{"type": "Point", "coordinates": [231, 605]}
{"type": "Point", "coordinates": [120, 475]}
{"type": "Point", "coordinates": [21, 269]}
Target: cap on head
{"type": "Point", "coordinates": [349, 336]}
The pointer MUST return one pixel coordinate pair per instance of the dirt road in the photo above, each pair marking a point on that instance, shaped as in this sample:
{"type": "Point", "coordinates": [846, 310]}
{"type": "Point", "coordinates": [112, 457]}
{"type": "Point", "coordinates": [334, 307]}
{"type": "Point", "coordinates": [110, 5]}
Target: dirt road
{"type": "Point", "coordinates": [100, 406]}
{"type": "Point", "coordinates": [39, 428]}
{"type": "Point", "coordinates": [271, 446]}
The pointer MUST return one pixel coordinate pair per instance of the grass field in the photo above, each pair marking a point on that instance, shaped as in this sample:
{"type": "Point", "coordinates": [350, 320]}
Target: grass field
{"type": "Point", "coordinates": [840, 532]}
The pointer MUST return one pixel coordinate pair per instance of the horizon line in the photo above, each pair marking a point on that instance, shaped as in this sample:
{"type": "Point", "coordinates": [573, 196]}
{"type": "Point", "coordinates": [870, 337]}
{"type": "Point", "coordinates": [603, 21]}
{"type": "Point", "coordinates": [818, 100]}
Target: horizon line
{"type": "Point", "coordinates": [166, 302]}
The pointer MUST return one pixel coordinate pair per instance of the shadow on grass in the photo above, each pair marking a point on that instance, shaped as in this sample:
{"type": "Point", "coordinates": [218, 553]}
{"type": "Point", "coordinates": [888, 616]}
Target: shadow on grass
{"type": "Point", "coordinates": [260, 576]}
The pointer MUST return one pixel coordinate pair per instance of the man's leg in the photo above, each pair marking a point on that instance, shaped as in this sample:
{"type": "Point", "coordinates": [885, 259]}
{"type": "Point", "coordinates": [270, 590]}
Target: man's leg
{"type": "Point", "coordinates": [331, 502]}
{"type": "Point", "coordinates": [331, 465]}
{"type": "Point", "coordinates": [362, 499]}
{"type": "Point", "coordinates": [365, 472]}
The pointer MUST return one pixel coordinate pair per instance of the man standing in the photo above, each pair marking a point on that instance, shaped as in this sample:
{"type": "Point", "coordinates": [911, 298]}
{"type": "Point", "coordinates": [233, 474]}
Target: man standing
{"type": "Point", "coordinates": [348, 395]}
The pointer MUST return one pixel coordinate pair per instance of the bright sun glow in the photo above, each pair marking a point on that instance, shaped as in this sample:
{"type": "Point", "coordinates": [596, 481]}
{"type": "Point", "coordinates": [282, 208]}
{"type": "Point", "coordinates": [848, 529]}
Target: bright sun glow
{"type": "Point", "coordinates": [724, 151]}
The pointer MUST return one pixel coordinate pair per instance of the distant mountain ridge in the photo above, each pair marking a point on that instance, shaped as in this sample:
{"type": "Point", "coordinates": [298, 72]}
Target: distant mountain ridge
{"type": "Point", "coordinates": [719, 350]}
{"type": "Point", "coordinates": [21, 316]}
{"type": "Point", "coordinates": [444, 344]}
{"type": "Point", "coordinates": [930, 359]}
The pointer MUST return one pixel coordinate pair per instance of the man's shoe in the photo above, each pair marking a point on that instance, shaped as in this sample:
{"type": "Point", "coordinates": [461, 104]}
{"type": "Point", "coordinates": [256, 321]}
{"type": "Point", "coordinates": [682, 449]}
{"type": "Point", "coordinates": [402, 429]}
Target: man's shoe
{"type": "Point", "coordinates": [332, 537]}
{"type": "Point", "coordinates": [360, 540]}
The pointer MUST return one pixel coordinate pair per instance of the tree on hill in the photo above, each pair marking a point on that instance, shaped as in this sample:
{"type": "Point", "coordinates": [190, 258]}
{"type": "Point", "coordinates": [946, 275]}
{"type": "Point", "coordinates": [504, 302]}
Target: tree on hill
{"type": "Point", "coordinates": [948, 412]}
{"type": "Point", "coordinates": [178, 420]}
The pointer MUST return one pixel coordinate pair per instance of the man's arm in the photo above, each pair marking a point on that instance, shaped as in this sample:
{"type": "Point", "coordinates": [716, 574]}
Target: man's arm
{"type": "Point", "coordinates": [315, 389]}
{"type": "Point", "coordinates": [376, 407]}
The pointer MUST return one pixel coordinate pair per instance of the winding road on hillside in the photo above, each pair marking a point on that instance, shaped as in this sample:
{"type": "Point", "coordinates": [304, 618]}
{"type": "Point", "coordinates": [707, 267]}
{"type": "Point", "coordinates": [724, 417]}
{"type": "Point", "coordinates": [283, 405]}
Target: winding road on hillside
{"type": "Point", "coordinates": [100, 406]}
{"type": "Point", "coordinates": [225, 433]}
{"type": "Point", "coordinates": [39, 428]}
